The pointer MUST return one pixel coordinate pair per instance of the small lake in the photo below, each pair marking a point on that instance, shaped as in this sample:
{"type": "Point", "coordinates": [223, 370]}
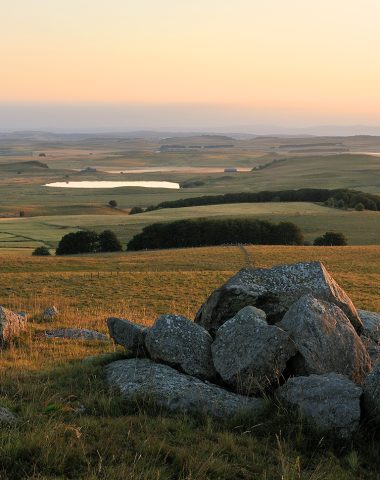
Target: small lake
{"type": "Point", "coordinates": [111, 184]}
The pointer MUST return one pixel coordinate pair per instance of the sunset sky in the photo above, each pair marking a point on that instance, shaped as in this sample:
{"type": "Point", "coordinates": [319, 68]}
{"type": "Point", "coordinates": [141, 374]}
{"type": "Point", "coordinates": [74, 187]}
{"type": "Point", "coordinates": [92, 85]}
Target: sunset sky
{"type": "Point", "coordinates": [273, 61]}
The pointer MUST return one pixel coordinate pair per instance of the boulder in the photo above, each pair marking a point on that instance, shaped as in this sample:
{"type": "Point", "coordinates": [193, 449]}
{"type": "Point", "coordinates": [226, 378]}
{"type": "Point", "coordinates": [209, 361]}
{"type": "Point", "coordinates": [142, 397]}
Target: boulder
{"type": "Point", "coordinates": [6, 417]}
{"type": "Point", "coordinates": [329, 402]}
{"type": "Point", "coordinates": [181, 343]}
{"type": "Point", "coordinates": [128, 334]}
{"type": "Point", "coordinates": [325, 339]}
{"type": "Point", "coordinates": [250, 355]}
{"type": "Point", "coordinates": [50, 313]}
{"type": "Point", "coordinates": [76, 333]}
{"type": "Point", "coordinates": [371, 324]}
{"type": "Point", "coordinates": [253, 314]}
{"type": "Point", "coordinates": [136, 378]}
{"type": "Point", "coordinates": [371, 393]}
{"type": "Point", "coordinates": [274, 290]}
{"type": "Point", "coordinates": [11, 325]}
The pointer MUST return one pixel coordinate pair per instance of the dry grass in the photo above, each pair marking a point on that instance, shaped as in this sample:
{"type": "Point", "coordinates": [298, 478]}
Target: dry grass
{"type": "Point", "coordinates": [72, 426]}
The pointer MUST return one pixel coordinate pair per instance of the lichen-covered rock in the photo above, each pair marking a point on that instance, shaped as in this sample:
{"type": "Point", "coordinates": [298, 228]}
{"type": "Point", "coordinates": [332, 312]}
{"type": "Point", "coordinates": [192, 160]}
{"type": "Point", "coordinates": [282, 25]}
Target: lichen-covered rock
{"type": "Point", "coordinates": [274, 290]}
{"type": "Point", "coordinates": [11, 325]}
{"type": "Point", "coordinates": [176, 391]}
{"type": "Point", "coordinates": [250, 355]}
{"type": "Point", "coordinates": [76, 333]}
{"type": "Point", "coordinates": [181, 343]}
{"type": "Point", "coordinates": [371, 393]}
{"type": "Point", "coordinates": [6, 417]}
{"type": "Point", "coordinates": [371, 324]}
{"type": "Point", "coordinates": [253, 314]}
{"type": "Point", "coordinates": [329, 402]}
{"type": "Point", "coordinates": [128, 334]}
{"type": "Point", "coordinates": [50, 313]}
{"type": "Point", "coordinates": [326, 339]}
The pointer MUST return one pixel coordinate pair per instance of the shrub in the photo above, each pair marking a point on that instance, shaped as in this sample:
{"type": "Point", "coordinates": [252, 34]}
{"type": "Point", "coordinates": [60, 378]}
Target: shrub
{"type": "Point", "coordinates": [136, 210]}
{"type": "Point", "coordinates": [341, 204]}
{"type": "Point", "coordinates": [203, 232]}
{"type": "Point", "coordinates": [331, 239]}
{"type": "Point", "coordinates": [108, 242]}
{"type": "Point", "coordinates": [112, 203]}
{"type": "Point", "coordinates": [78, 242]}
{"type": "Point", "coordinates": [359, 207]}
{"type": "Point", "coordinates": [41, 252]}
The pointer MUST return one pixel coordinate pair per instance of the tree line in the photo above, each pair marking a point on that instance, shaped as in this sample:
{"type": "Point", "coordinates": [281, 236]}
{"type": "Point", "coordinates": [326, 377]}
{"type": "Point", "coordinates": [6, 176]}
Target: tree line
{"type": "Point", "coordinates": [206, 232]}
{"type": "Point", "coordinates": [340, 198]}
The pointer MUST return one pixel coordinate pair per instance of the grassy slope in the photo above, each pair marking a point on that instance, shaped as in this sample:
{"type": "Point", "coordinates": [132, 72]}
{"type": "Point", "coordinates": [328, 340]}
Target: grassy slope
{"type": "Point", "coordinates": [359, 227]}
{"type": "Point", "coordinates": [48, 386]}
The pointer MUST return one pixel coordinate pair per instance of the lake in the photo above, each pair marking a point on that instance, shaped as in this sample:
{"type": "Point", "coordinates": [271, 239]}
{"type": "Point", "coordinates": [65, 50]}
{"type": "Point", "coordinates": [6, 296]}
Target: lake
{"type": "Point", "coordinates": [111, 184]}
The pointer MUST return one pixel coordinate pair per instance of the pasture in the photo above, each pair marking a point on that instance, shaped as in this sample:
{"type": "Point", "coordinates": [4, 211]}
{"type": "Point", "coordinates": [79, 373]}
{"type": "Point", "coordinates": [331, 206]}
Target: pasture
{"type": "Point", "coordinates": [66, 410]}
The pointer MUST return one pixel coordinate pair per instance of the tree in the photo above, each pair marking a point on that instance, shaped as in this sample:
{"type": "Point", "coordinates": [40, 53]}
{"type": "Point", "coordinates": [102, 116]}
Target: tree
{"type": "Point", "coordinates": [331, 239]}
{"type": "Point", "coordinates": [108, 242]}
{"type": "Point", "coordinates": [22, 213]}
{"type": "Point", "coordinates": [359, 207]}
{"type": "Point", "coordinates": [136, 210]}
{"type": "Point", "coordinates": [341, 204]}
{"type": "Point", "coordinates": [41, 252]}
{"type": "Point", "coordinates": [112, 203]}
{"type": "Point", "coordinates": [78, 242]}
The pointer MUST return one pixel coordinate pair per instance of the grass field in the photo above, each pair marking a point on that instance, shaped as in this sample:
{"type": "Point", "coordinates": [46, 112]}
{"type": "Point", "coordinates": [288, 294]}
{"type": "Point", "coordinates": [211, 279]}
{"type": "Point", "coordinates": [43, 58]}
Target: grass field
{"type": "Point", "coordinates": [361, 228]}
{"type": "Point", "coordinates": [66, 411]}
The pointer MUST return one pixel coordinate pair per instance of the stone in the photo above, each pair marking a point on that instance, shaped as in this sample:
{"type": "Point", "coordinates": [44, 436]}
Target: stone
{"type": "Point", "coordinates": [11, 325]}
{"type": "Point", "coordinates": [329, 402]}
{"type": "Point", "coordinates": [76, 333]}
{"type": "Point", "coordinates": [6, 417]}
{"type": "Point", "coordinates": [371, 324]}
{"type": "Point", "coordinates": [249, 355]}
{"type": "Point", "coordinates": [325, 339]}
{"type": "Point", "coordinates": [140, 378]}
{"type": "Point", "coordinates": [128, 334]}
{"type": "Point", "coordinates": [274, 290]}
{"type": "Point", "coordinates": [181, 343]}
{"type": "Point", "coordinates": [371, 394]}
{"type": "Point", "coordinates": [50, 313]}
{"type": "Point", "coordinates": [257, 316]}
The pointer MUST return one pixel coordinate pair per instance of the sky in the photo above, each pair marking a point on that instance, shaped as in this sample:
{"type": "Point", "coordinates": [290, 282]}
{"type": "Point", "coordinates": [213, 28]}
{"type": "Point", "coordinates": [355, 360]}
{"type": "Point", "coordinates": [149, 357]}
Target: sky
{"type": "Point", "coordinates": [168, 63]}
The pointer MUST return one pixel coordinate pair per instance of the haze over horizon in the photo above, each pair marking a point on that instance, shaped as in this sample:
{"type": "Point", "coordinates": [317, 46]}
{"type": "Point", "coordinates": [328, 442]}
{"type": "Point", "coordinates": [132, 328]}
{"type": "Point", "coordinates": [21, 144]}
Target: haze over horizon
{"type": "Point", "coordinates": [205, 64]}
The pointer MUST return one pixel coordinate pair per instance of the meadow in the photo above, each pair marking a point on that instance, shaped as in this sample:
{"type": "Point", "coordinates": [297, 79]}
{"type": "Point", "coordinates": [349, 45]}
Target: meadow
{"type": "Point", "coordinates": [66, 411]}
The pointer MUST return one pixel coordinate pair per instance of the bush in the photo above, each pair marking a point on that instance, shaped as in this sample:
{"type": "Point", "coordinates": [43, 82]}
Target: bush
{"type": "Point", "coordinates": [108, 242]}
{"type": "Point", "coordinates": [331, 239]}
{"type": "Point", "coordinates": [203, 232]}
{"type": "Point", "coordinates": [41, 252]}
{"type": "Point", "coordinates": [78, 242]}
{"type": "Point", "coordinates": [341, 204]}
{"type": "Point", "coordinates": [136, 210]}
{"type": "Point", "coordinates": [112, 203]}
{"type": "Point", "coordinates": [359, 207]}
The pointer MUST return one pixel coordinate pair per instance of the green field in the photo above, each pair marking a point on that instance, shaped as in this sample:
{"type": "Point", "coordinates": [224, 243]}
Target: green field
{"type": "Point", "coordinates": [66, 411]}
{"type": "Point", "coordinates": [361, 228]}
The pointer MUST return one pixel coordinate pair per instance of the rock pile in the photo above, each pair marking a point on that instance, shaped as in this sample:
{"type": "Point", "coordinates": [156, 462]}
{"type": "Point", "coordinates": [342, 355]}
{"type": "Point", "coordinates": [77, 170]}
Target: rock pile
{"type": "Point", "coordinates": [290, 332]}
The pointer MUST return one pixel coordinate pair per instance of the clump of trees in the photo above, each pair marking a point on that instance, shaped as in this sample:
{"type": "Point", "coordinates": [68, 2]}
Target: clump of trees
{"type": "Point", "coordinates": [331, 239]}
{"type": "Point", "coordinates": [112, 203]}
{"type": "Point", "coordinates": [41, 252]}
{"type": "Point", "coordinates": [203, 232]}
{"type": "Point", "coordinates": [88, 242]}
{"type": "Point", "coordinates": [341, 198]}
{"type": "Point", "coordinates": [136, 210]}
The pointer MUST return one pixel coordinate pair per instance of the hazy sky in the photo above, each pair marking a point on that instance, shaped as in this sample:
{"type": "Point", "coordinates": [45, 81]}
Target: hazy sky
{"type": "Point", "coordinates": [276, 61]}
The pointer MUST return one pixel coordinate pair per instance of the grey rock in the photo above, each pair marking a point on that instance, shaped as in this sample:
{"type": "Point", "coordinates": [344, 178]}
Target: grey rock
{"type": "Point", "coordinates": [128, 334]}
{"type": "Point", "coordinates": [251, 356]}
{"type": "Point", "coordinates": [274, 291]}
{"type": "Point", "coordinates": [76, 333]}
{"type": "Point", "coordinates": [326, 339]}
{"type": "Point", "coordinates": [50, 313]}
{"type": "Point", "coordinates": [181, 343]}
{"type": "Point", "coordinates": [371, 324]}
{"type": "Point", "coordinates": [371, 393]}
{"type": "Point", "coordinates": [253, 314]}
{"type": "Point", "coordinates": [6, 417]}
{"type": "Point", "coordinates": [329, 402]}
{"type": "Point", "coordinates": [11, 325]}
{"type": "Point", "coordinates": [141, 378]}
